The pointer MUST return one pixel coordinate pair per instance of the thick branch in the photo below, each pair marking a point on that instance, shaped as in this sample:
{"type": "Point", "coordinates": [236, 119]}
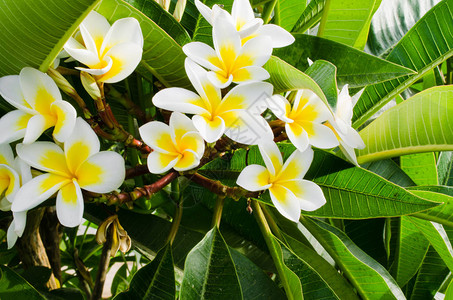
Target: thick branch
{"type": "Point", "coordinates": [218, 188]}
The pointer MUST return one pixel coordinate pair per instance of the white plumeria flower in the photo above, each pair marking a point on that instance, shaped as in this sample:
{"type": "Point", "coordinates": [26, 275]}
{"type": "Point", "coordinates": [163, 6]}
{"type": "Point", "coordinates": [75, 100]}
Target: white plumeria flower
{"type": "Point", "coordinates": [178, 145]}
{"type": "Point", "coordinates": [78, 166]}
{"type": "Point", "coordinates": [243, 18]}
{"type": "Point", "coordinates": [39, 107]}
{"type": "Point", "coordinates": [348, 137]}
{"type": "Point", "coordinates": [111, 52]}
{"type": "Point", "coordinates": [303, 120]}
{"type": "Point", "coordinates": [231, 61]}
{"type": "Point", "coordinates": [289, 192]}
{"type": "Point", "coordinates": [238, 114]}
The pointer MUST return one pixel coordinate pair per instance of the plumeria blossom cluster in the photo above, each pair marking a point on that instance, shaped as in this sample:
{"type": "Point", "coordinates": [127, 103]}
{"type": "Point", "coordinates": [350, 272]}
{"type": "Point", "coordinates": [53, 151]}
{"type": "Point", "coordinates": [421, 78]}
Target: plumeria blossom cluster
{"type": "Point", "coordinates": [230, 98]}
{"type": "Point", "coordinates": [74, 163]}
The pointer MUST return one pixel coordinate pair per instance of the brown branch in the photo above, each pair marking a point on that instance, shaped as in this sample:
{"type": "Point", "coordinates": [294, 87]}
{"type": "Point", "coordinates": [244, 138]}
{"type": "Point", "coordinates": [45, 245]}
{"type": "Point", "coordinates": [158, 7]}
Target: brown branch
{"type": "Point", "coordinates": [218, 188]}
{"type": "Point", "coordinates": [103, 265]}
{"type": "Point", "coordinates": [137, 171]}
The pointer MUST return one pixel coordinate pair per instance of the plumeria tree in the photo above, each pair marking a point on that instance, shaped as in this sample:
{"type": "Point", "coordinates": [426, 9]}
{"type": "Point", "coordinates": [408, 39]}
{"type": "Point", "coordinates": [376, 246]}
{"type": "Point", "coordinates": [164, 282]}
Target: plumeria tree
{"type": "Point", "coordinates": [226, 149]}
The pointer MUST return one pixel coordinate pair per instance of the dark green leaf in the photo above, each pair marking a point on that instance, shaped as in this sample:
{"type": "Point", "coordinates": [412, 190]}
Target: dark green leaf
{"type": "Point", "coordinates": [388, 169]}
{"type": "Point", "coordinates": [156, 280]}
{"type": "Point", "coordinates": [209, 271]}
{"type": "Point", "coordinates": [354, 67]}
{"type": "Point", "coordinates": [425, 46]}
{"type": "Point", "coordinates": [324, 73]}
{"type": "Point", "coordinates": [13, 286]}
{"type": "Point", "coordinates": [310, 16]}
{"type": "Point", "coordinates": [443, 213]}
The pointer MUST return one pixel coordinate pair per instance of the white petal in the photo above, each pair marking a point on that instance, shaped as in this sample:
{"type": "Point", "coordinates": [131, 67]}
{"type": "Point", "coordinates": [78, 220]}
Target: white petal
{"type": "Point", "coordinates": [285, 202]}
{"type": "Point", "coordinates": [271, 155]}
{"type": "Point", "coordinates": [180, 100]}
{"type": "Point", "coordinates": [11, 91]}
{"type": "Point", "coordinates": [23, 169]}
{"type": "Point", "coordinates": [20, 220]}
{"type": "Point", "coordinates": [37, 191]}
{"type": "Point", "coordinates": [97, 26]}
{"type": "Point", "coordinates": [9, 182]}
{"type": "Point", "coordinates": [205, 11]}
{"type": "Point", "coordinates": [280, 107]}
{"type": "Point", "coordinates": [309, 194]}
{"type": "Point", "coordinates": [296, 165]}
{"type": "Point", "coordinates": [16, 121]}
{"type": "Point", "coordinates": [297, 135]}
{"type": "Point", "coordinates": [323, 138]}
{"type": "Point", "coordinates": [98, 72]}
{"type": "Point", "coordinates": [242, 12]}
{"type": "Point", "coordinates": [211, 131]}
{"type": "Point", "coordinates": [204, 87]}
{"type": "Point", "coordinates": [249, 30]}
{"type": "Point", "coordinates": [188, 161]}
{"type": "Point", "coordinates": [125, 30]}
{"type": "Point", "coordinates": [159, 163]}
{"type": "Point", "coordinates": [45, 156]}
{"type": "Point", "coordinates": [66, 119]}
{"type": "Point", "coordinates": [258, 50]}
{"type": "Point", "coordinates": [352, 138]}
{"type": "Point", "coordinates": [80, 53]}
{"type": "Point", "coordinates": [250, 73]}
{"type": "Point", "coordinates": [102, 172]}
{"type": "Point", "coordinates": [218, 80]}
{"type": "Point", "coordinates": [157, 135]}
{"type": "Point", "coordinates": [11, 236]}
{"type": "Point", "coordinates": [203, 55]}
{"type": "Point", "coordinates": [180, 124]}
{"type": "Point", "coordinates": [36, 86]}
{"type": "Point", "coordinates": [70, 205]}
{"type": "Point", "coordinates": [254, 178]}
{"type": "Point", "coordinates": [6, 155]}
{"type": "Point", "coordinates": [126, 57]}
{"type": "Point", "coordinates": [81, 144]}
{"type": "Point", "coordinates": [253, 97]}
{"type": "Point", "coordinates": [279, 36]}
{"type": "Point", "coordinates": [244, 127]}
{"type": "Point", "coordinates": [227, 42]}
{"type": "Point", "coordinates": [35, 127]}
{"type": "Point", "coordinates": [192, 141]}
{"type": "Point", "coordinates": [349, 153]}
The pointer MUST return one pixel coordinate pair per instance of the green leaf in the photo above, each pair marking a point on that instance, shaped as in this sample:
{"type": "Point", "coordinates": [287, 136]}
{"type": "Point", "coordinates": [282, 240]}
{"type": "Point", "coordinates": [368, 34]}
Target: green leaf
{"type": "Point", "coordinates": [411, 248]}
{"type": "Point", "coordinates": [438, 238]}
{"type": "Point", "coordinates": [388, 169]}
{"type": "Point", "coordinates": [163, 57]}
{"type": "Point", "coordinates": [33, 33]}
{"type": "Point", "coordinates": [325, 75]}
{"type": "Point", "coordinates": [163, 19]}
{"type": "Point", "coordinates": [255, 284]}
{"type": "Point", "coordinates": [319, 279]}
{"type": "Point", "coordinates": [430, 276]}
{"type": "Point", "coordinates": [344, 21]}
{"type": "Point", "coordinates": [445, 168]}
{"type": "Point", "coordinates": [156, 280]}
{"type": "Point", "coordinates": [310, 16]}
{"type": "Point", "coordinates": [371, 280]}
{"type": "Point", "coordinates": [287, 12]}
{"type": "Point", "coordinates": [419, 124]}
{"type": "Point", "coordinates": [13, 286]}
{"type": "Point", "coordinates": [393, 20]}
{"type": "Point", "coordinates": [209, 271]}
{"type": "Point", "coordinates": [421, 167]}
{"type": "Point", "coordinates": [425, 46]}
{"type": "Point", "coordinates": [443, 213]}
{"type": "Point", "coordinates": [350, 62]}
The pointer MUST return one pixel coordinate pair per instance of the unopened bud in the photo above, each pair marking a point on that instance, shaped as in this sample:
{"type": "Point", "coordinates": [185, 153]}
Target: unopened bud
{"type": "Point", "coordinates": [61, 82]}
{"type": "Point", "coordinates": [179, 9]}
{"type": "Point", "coordinates": [90, 85]}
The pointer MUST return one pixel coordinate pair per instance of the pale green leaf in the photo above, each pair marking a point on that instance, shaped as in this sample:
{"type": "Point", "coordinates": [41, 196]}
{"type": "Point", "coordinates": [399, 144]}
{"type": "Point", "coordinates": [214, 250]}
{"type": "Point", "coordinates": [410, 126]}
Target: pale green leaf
{"type": "Point", "coordinates": [32, 33]}
{"type": "Point", "coordinates": [287, 12]}
{"type": "Point", "coordinates": [310, 16]}
{"type": "Point", "coordinates": [445, 168]}
{"type": "Point", "coordinates": [425, 46]}
{"type": "Point", "coordinates": [443, 213]}
{"type": "Point", "coordinates": [421, 167]}
{"type": "Point", "coordinates": [419, 124]}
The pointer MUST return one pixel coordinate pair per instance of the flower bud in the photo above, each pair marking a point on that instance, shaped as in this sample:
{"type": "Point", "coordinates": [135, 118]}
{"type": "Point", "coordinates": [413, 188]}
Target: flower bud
{"type": "Point", "coordinates": [179, 10]}
{"type": "Point", "coordinates": [61, 82]}
{"type": "Point", "coordinates": [90, 85]}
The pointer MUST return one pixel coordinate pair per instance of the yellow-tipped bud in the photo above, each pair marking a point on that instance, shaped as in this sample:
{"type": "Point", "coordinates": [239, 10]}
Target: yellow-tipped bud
{"type": "Point", "coordinates": [90, 85]}
{"type": "Point", "coordinates": [61, 82]}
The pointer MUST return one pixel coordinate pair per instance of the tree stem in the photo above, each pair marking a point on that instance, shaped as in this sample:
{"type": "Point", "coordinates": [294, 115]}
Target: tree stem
{"type": "Point", "coordinates": [103, 265]}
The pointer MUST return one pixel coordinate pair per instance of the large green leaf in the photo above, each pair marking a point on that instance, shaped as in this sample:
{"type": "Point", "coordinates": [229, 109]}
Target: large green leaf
{"type": "Point", "coordinates": [32, 33]}
{"type": "Point", "coordinates": [163, 19]}
{"type": "Point", "coordinates": [421, 167]}
{"type": "Point", "coordinates": [354, 67]}
{"type": "Point", "coordinates": [430, 276]}
{"type": "Point", "coordinates": [445, 168]}
{"type": "Point", "coordinates": [371, 280]}
{"type": "Point", "coordinates": [163, 57]}
{"type": "Point", "coordinates": [13, 286]}
{"type": "Point", "coordinates": [393, 20]}
{"type": "Point", "coordinates": [345, 21]}
{"type": "Point", "coordinates": [287, 12]}
{"type": "Point", "coordinates": [419, 124]}
{"type": "Point", "coordinates": [425, 46]}
{"type": "Point", "coordinates": [319, 279]}
{"type": "Point", "coordinates": [388, 169]}
{"type": "Point", "coordinates": [442, 214]}
{"type": "Point", "coordinates": [310, 16]}
{"type": "Point", "coordinates": [438, 238]}
{"type": "Point", "coordinates": [411, 248]}
{"type": "Point", "coordinates": [209, 271]}
{"type": "Point", "coordinates": [156, 280]}
{"type": "Point", "coordinates": [325, 75]}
